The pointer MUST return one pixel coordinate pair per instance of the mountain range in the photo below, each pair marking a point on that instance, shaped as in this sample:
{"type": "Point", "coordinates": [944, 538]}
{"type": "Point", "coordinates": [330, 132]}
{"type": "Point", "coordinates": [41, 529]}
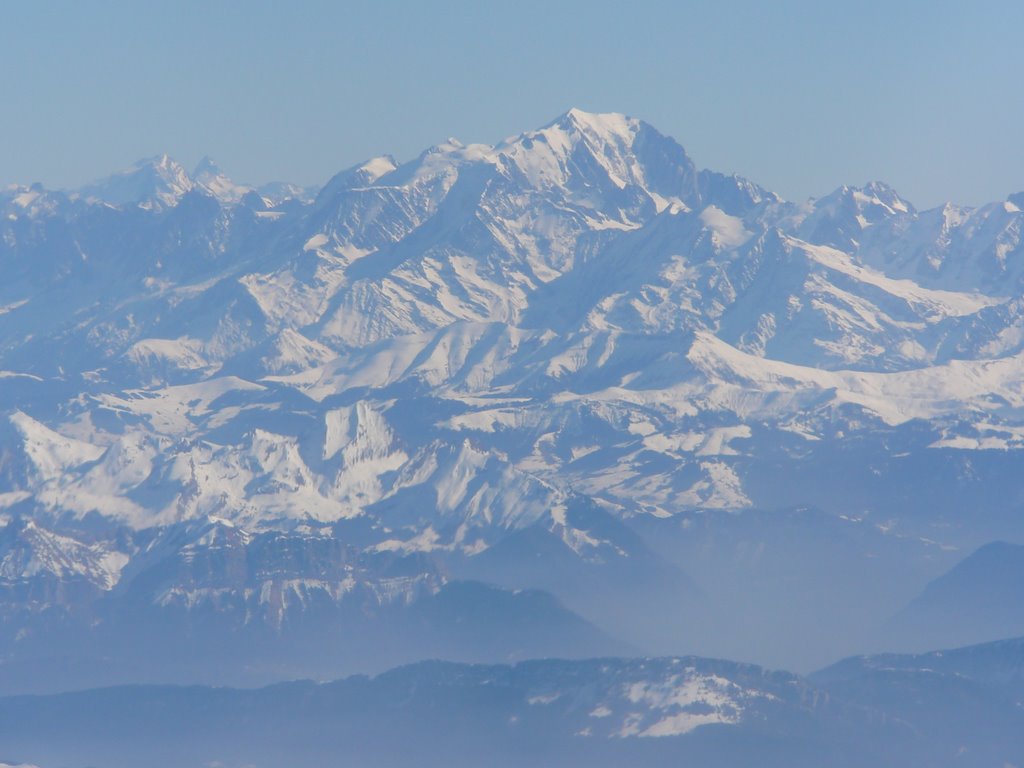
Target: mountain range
{"type": "Point", "coordinates": [937, 710]}
{"type": "Point", "coordinates": [564, 396]}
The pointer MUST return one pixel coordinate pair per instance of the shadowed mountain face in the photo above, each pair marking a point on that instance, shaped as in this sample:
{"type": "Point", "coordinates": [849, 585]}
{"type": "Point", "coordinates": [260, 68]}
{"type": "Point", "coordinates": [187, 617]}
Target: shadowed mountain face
{"type": "Point", "coordinates": [564, 395]}
{"type": "Point", "coordinates": [606, 712]}
{"type": "Point", "coordinates": [215, 603]}
{"type": "Point", "coordinates": [879, 711]}
{"type": "Point", "coordinates": [964, 702]}
{"type": "Point", "coordinates": [981, 598]}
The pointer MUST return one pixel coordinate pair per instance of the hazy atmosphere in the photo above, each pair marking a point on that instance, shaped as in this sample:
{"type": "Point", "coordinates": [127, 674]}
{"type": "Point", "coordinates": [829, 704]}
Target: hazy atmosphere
{"type": "Point", "coordinates": [801, 96]}
{"type": "Point", "coordinates": [461, 384]}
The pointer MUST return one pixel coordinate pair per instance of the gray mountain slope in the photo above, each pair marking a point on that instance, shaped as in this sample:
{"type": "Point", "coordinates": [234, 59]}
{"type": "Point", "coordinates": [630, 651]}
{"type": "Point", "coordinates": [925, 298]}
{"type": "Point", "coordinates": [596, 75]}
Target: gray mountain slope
{"type": "Point", "coordinates": [980, 598]}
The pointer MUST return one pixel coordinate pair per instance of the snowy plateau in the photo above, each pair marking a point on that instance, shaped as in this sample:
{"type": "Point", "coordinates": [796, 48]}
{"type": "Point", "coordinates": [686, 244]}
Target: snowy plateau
{"type": "Point", "coordinates": [566, 396]}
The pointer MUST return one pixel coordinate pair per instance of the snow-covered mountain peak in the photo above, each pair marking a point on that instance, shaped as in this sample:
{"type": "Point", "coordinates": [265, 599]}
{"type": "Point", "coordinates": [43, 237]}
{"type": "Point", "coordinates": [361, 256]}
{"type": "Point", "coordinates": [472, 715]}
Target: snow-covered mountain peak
{"type": "Point", "coordinates": [841, 218]}
{"type": "Point", "coordinates": [433, 172]}
{"type": "Point", "coordinates": [360, 175]}
{"type": "Point", "coordinates": [376, 167]}
{"type": "Point", "coordinates": [441, 160]}
{"type": "Point", "coordinates": [162, 162]}
{"type": "Point", "coordinates": [873, 201]}
{"type": "Point", "coordinates": [553, 153]}
{"type": "Point", "coordinates": [277, 192]}
{"type": "Point", "coordinates": [210, 177]}
{"type": "Point", "coordinates": [206, 166]}
{"type": "Point", "coordinates": [608, 126]}
{"type": "Point", "coordinates": [610, 162]}
{"type": "Point", "coordinates": [152, 183]}
{"type": "Point", "coordinates": [880, 193]}
{"type": "Point", "coordinates": [28, 550]}
{"type": "Point", "coordinates": [31, 201]}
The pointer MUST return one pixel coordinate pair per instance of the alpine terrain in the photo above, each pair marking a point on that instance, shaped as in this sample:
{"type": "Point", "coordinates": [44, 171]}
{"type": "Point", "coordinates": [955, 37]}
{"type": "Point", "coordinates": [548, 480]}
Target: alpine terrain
{"type": "Point", "coordinates": [565, 397]}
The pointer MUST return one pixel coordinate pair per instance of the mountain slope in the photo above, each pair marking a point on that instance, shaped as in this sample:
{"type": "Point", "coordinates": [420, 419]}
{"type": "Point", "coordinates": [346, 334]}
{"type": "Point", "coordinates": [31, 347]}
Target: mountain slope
{"type": "Point", "coordinates": [494, 355]}
{"type": "Point", "coordinates": [979, 599]}
{"type": "Point", "coordinates": [602, 712]}
{"type": "Point", "coordinates": [605, 712]}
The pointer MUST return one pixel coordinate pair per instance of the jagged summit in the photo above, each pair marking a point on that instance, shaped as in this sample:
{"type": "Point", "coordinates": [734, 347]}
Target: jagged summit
{"type": "Point", "coordinates": [568, 151]}
{"type": "Point", "coordinates": [626, 151]}
{"type": "Point", "coordinates": [159, 182]}
{"type": "Point", "coordinates": [874, 194]}
{"type": "Point", "coordinates": [603, 124]}
{"type": "Point", "coordinates": [209, 177]}
{"type": "Point", "coordinates": [206, 166]}
{"type": "Point", "coordinates": [884, 193]}
{"type": "Point", "coordinates": [153, 183]}
{"type": "Point", "coordinates": [360, 175]}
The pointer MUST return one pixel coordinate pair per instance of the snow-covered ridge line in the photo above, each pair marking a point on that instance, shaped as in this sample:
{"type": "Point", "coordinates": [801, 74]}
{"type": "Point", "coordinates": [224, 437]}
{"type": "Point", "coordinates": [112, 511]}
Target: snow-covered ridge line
{"type": "Point", "coordinates": [454, 346]}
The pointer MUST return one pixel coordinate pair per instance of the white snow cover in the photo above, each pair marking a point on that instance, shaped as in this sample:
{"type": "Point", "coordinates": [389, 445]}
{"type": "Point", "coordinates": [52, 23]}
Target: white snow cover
{"type": "Point", "coordinates": [460, 343]}
{"type": "Point", "coordinates": [657, 698]}
{"type": "Point", "coordinates": [62, 557]}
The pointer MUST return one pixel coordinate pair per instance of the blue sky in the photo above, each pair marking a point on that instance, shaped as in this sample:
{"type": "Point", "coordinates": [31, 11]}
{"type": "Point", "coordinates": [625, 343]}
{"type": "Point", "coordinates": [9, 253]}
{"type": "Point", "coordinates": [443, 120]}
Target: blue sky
{"type": "Point", "coordinates": [799, 96]}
